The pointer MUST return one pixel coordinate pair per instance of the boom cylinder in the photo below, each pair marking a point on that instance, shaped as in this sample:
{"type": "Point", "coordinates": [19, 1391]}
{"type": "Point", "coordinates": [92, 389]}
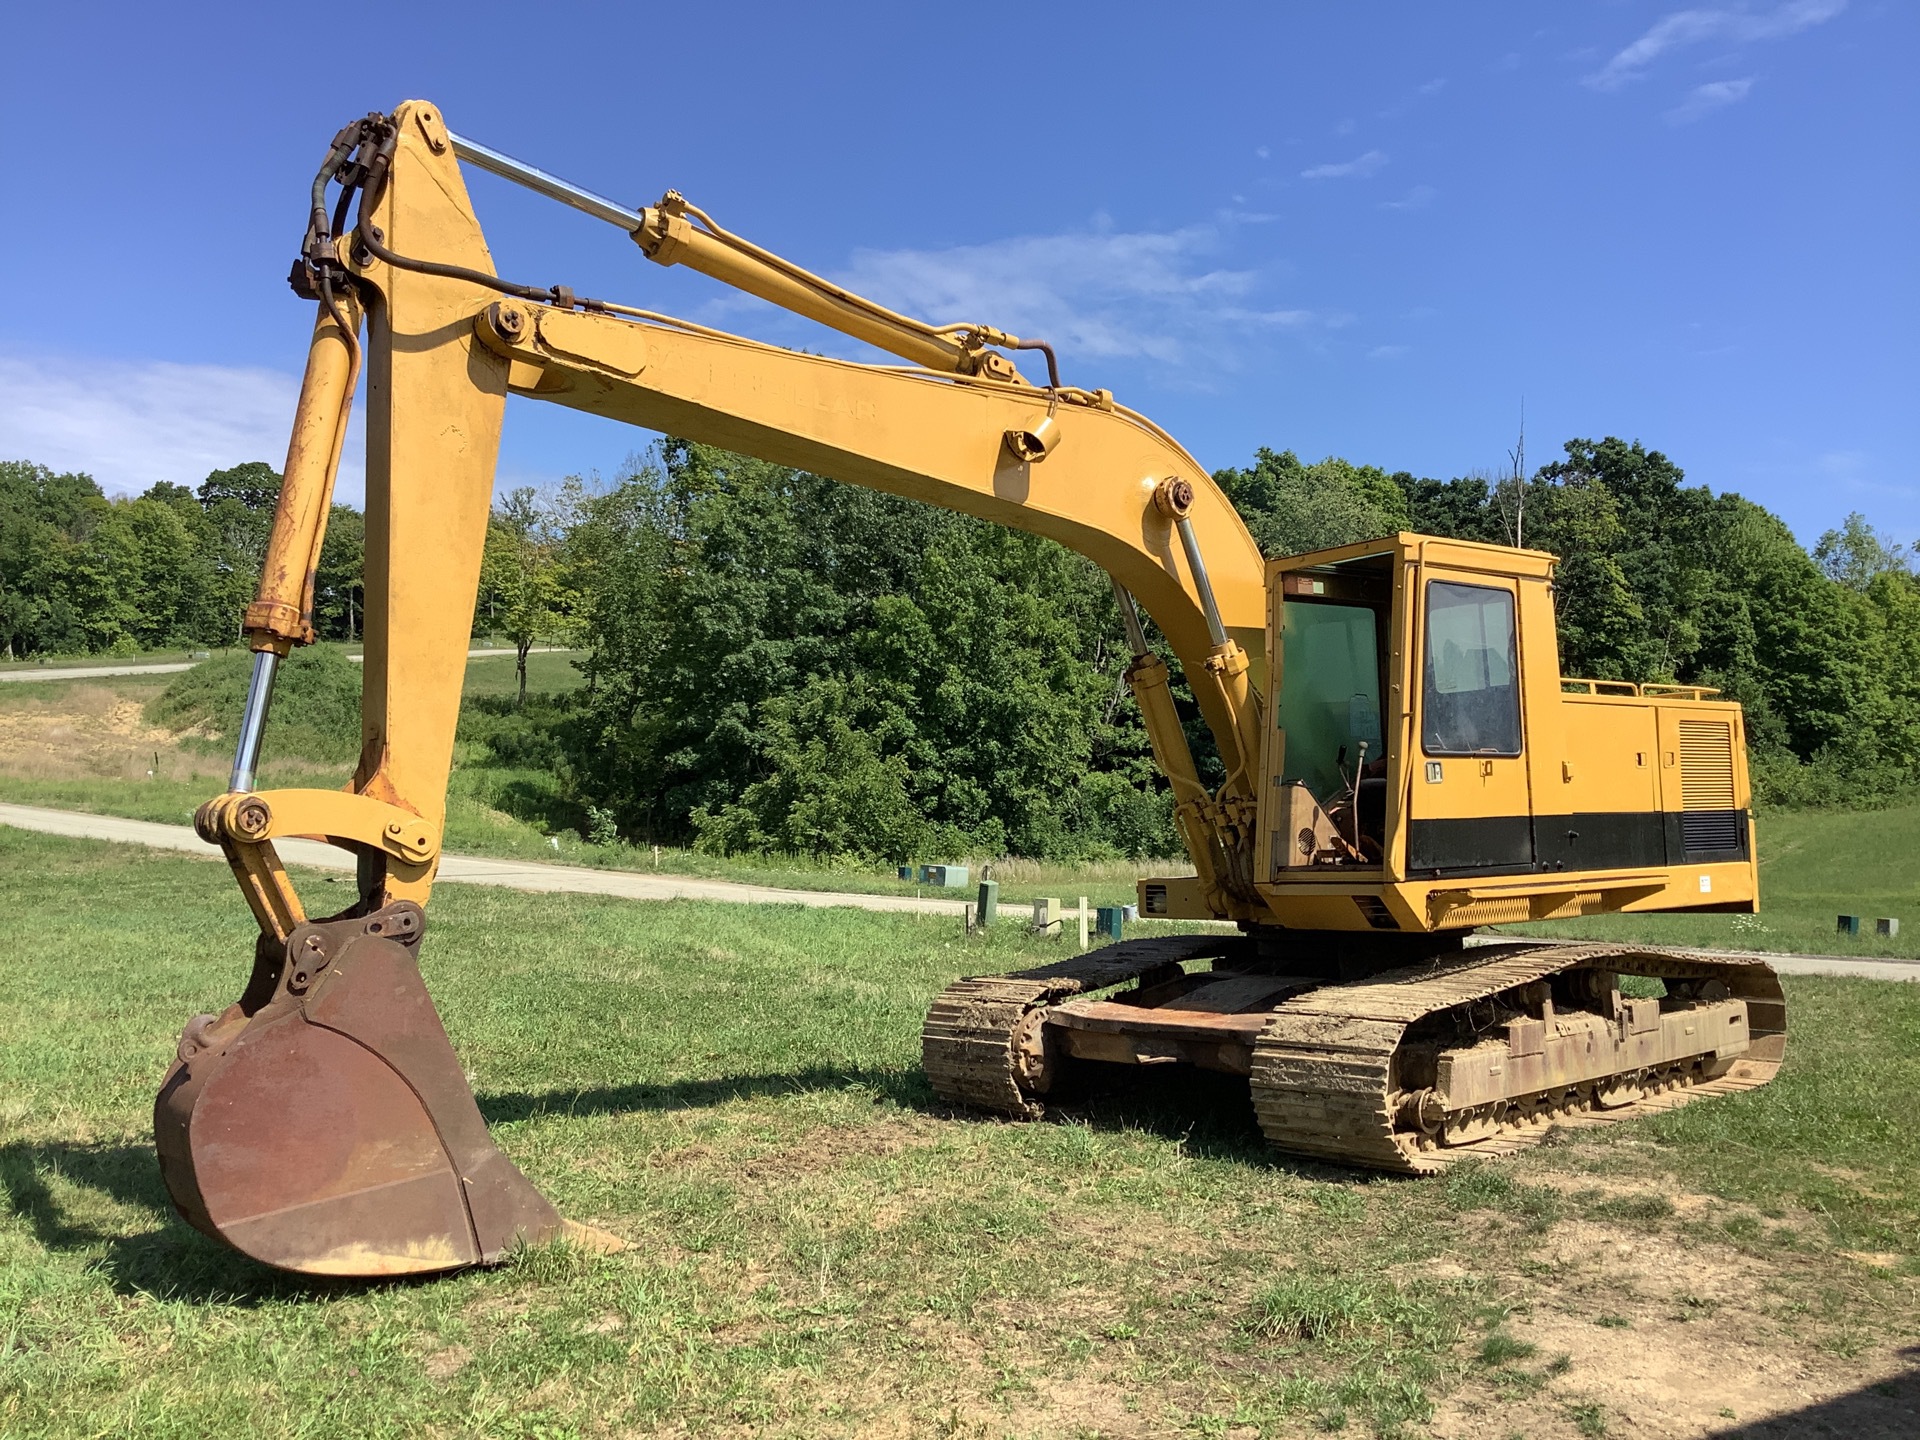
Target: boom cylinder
{"type": "Point", "coordinates": [667, 237]}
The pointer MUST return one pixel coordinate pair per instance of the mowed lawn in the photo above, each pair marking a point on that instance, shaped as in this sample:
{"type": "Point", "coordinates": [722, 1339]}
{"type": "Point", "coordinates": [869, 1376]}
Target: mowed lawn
{"type": "Point", "coordinates": [817, 1248]}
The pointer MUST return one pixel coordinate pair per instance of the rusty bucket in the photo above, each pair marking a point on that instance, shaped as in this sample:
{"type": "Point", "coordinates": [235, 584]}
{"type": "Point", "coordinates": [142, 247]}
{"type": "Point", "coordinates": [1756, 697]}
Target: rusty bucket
{"type": "Point", "coordinates": [323, 1124]}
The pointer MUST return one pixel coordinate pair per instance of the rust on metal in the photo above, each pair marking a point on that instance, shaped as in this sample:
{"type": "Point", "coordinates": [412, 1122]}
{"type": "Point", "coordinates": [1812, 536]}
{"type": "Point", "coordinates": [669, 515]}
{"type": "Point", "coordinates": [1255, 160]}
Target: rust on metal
{"type": "Point", "coordinates": [324, 1125]}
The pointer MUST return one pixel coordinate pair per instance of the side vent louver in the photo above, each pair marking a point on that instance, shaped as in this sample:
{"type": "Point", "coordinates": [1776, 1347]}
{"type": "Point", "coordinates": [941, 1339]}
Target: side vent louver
{"type": "Point", "coordinates": [1708, 821]}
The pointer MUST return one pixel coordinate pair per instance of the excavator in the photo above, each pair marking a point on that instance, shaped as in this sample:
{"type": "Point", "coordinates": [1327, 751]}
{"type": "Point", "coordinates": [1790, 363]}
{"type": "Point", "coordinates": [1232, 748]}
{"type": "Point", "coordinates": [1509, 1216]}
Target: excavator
{"type": "Point", "coordinates": [1404, 762]}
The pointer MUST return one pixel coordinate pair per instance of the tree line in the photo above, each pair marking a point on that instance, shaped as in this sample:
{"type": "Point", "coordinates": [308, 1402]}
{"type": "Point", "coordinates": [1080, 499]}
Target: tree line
{"type": "Point", "coordinates": [85, 573]}
{"type": "Point", "coordinates": [774, 661]}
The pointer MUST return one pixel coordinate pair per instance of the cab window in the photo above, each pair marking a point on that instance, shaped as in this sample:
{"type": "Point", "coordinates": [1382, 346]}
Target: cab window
{"type": "Point", "coordinates": [1471, 695]}
{"type": "Point", "coordinates": [1330, 693]}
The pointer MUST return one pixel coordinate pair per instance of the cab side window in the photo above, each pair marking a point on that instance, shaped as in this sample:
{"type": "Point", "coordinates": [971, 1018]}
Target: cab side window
{"type": "Point", "coordinates": [1471, 692]}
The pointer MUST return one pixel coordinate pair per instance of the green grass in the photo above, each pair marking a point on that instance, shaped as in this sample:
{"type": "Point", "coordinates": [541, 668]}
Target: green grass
{"type": "Point", "coordinates": [495, 810]}
{"type": "Point", "coordinates": [547, 673]}
{"type": "Point", "coordinates": [93, 658]}
{"type": "Point", "coordinates": [817, 1248]}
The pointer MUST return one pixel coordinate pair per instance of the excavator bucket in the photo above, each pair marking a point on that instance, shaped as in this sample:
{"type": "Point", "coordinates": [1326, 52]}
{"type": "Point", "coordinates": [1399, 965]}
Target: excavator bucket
{"type": "Point", "coordinates": [323, 1125]}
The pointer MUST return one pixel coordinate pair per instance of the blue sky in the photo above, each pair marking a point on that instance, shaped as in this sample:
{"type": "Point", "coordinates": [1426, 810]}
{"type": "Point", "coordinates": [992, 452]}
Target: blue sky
{"type": "Point", "coordinates": [1369, 231]}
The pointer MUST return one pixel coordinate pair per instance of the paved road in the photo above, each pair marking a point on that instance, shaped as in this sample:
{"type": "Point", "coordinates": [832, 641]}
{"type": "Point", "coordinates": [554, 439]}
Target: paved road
{"type": "Point", "coordinates": [579, 880]}
{"type": "Point", "coordinates": [472, 870]}
{"type": "Point", "coordinates": [95, 672]}
{"type": "Point", "coordinates": [173, 667]}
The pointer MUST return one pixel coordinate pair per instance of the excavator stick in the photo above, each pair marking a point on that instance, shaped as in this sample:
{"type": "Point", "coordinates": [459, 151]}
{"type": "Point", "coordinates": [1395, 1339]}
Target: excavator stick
{"type": "Point", "coordinates": [323, 1123]}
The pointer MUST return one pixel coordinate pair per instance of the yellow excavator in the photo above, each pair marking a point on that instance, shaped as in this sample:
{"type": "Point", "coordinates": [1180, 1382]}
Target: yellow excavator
{"type": "Point", "coordinates": [1404, 761]}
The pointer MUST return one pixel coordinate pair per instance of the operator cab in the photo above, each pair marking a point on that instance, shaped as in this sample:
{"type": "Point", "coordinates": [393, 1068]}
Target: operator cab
{"type": "Point", "coordinates": [1400, 739]}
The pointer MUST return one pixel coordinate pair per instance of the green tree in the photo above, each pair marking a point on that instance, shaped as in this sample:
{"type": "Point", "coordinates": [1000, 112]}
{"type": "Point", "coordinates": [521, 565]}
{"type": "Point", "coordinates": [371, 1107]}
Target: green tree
{"type": "Point", "coordinates": [339, 587]}
{"type": "Point", "coordinates": [523, 576]}
{"type": "Point", "coordinates": [1856, 553]}
{"type": "Point", "coordinates": [777, 659]}
{"type": "Point", "coordinates": [1291, 507]}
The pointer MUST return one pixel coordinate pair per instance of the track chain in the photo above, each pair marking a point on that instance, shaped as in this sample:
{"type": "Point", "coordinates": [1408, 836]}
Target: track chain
{"type": "Point", "coordinates": [968, 1042]}
{"type": "Point", "coordinates": [1323, 1068]}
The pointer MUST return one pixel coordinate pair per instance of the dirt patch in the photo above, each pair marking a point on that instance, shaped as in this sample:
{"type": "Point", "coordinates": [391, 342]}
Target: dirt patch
{"type": "Point", "coordinates": [445, 1364]}
{"type": "Point", "coordinates": [1092, 1407]}
{"type": "Point", "coordinates": [1663, 1187]}
{"type": "Point", "coordinates": [86, 731]}
{"type": "Point", "coordinates": [1668, 1337]}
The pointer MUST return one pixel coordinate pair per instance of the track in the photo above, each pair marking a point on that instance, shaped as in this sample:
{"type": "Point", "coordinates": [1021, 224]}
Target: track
{"type": "Point", "coordinates": [972, 1046]}
{"type": "Point", "coordinates": [1325, 1066]}
{"type": "Point", "coordinates": [1323, 1071]}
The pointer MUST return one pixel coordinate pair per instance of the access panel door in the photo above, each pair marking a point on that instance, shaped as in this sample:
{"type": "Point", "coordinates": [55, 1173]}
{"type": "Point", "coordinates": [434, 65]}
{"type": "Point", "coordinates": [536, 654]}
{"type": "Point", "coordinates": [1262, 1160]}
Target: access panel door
{"type": "Point", "coordinates": [1470, 810]}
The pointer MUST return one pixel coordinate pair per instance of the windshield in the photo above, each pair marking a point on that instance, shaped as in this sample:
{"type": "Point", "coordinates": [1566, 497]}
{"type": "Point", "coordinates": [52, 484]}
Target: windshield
{"type": "Point", "coordinates": [1329, 691]}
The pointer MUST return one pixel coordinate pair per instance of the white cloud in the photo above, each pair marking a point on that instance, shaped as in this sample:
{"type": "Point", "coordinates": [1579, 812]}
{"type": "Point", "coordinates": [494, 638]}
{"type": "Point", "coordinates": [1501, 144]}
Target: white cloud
{"type": "Point", "coordinates": [1421, 92]}
{"type": "Point", "coordinates": [1263, 152]}
{"type": "Point", "coordinates": [1737, 26]}
{"type": "Point", "coordinates": [132, 423]}
{"type": "Point", "coordinates": [1418, 198]}
{"type": "Point", "coordinates": [1153, 295]}
{"type": "Point", "coordinates": [1705, 99]}
{"type": "Point", "coordinates": [1388, 352]}
{"type": "Point", "coordinates": [1358, 168]}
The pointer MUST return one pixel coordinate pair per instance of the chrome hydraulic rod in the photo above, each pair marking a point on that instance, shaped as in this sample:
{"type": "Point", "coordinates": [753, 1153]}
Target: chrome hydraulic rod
{"type": "Point", "coordinates": [253, 720]}
{"type": "Point", "coordinates": [666, 236]}
{"type": "Point", "coordinates": [552, 186]}
{"type": "Point", "coordinates": [1190, 542]}
{"type": "Point", "coordinates": [1130, 617]}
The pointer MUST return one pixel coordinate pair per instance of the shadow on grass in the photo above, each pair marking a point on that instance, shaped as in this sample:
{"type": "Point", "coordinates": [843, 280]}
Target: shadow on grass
{"type": "Point", "coordinates": [906, 1088]}
{"type": "Point", "coordinates": [1887, 1408]}
{"type": "Point", "coordinates": [1210, 1114]}
{"type": "Point", "coordinates": [157, 1253]}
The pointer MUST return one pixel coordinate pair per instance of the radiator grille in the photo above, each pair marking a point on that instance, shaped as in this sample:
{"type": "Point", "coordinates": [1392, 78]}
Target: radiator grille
{"type": "Point", "coordinates": [1709, 830]}
{"type": "Point", "coordinates": [1706, 765]}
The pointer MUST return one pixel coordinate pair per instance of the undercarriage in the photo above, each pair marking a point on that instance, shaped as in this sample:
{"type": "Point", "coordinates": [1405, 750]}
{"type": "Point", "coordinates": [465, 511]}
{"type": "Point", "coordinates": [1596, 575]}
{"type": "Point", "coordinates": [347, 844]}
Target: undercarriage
{"type": "Point", "coordinates": [1470, 1052]}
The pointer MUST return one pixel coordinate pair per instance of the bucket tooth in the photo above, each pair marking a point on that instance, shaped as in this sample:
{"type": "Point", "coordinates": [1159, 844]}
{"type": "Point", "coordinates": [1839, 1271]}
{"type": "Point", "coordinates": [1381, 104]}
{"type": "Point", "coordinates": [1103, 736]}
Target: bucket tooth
{"type": "Point", "coordinates": [331, 1131]}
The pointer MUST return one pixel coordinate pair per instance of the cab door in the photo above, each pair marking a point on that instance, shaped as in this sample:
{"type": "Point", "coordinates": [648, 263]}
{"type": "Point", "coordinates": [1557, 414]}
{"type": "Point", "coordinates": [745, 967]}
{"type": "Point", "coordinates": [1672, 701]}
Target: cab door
{"type": "Point", "coordinates": [1470, 810]}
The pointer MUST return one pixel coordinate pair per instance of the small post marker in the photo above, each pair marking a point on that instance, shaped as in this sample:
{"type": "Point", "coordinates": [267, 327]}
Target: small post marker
{"type": "Point", "coordinates": [1886, 927]}
{"type": "Point", "coordinates": [1083, 922]}
{"type": "Point", "coordinates": [966, 914]}
{"type": "Point", "coordinates": [1046, 916]}
{"type": "Point", "coordinates": [989, 908]}
{"type": "Point", "coordinates": [1848, 925]}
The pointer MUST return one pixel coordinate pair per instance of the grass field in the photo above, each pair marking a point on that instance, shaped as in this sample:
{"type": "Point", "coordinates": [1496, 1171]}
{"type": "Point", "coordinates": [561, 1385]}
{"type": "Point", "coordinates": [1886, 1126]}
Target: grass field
{"type": "Point", "coordinates": [817, 1248]}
